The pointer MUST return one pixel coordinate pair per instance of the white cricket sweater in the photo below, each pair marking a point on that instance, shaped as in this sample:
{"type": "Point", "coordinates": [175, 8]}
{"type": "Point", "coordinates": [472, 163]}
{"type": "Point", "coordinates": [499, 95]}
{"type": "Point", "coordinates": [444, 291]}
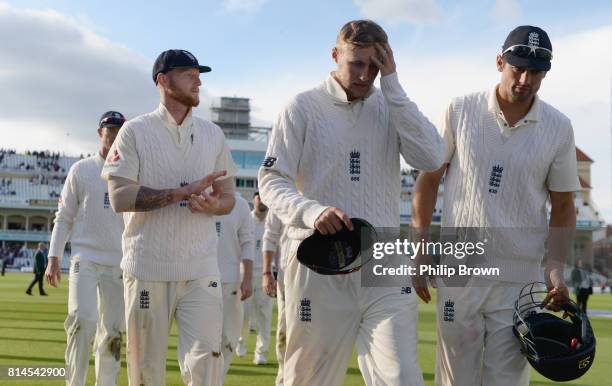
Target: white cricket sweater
{"type": "Point", "coordinates": [273, 238]}
{"type": "Point", "coordinates": [171, 243]}
{"type": "Point", "coordinates": [326, 151]}
{"type": "Point", "coordinates": [500, 182]}
{"type": "Point", "coordinates": [84, 216]}
{"type": "Point", "coordinates": [235, 231]}
{"type": "Point", "coordinates": [258, 232]}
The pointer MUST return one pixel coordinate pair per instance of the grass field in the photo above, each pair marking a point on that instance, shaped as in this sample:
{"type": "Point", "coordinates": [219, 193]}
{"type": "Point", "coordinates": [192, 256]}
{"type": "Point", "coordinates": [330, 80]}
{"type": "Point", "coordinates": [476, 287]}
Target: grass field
{"type": "Point", "coordinates": [32, 333]}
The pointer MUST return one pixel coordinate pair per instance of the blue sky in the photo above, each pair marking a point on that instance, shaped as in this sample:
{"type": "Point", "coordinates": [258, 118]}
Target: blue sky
{"type": "Point", "coordinates": [65, 62]}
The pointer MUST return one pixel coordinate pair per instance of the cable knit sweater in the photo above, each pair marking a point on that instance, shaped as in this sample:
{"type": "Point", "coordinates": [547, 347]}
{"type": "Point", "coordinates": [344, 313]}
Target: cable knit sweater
{"type": "Point", "coordinates": [258, 232]}
{"type": "Point", "coordinates": [325, 151]}
{"type": "Point", "coordinates": [84, 216]}
{"type": "Point", "coordinates": [236, 243]}
{"type": "Point", "coordinates": [273, 238]}
{"type": "Point", "coordinates": [500, 184]}
{"type": "Point", "coordinates": [171, 243]}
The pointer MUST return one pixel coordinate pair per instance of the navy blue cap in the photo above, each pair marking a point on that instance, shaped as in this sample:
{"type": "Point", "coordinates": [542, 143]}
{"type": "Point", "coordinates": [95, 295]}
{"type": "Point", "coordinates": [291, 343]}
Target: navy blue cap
{"type": "Point", "coordinates": [171, 59]}
{"type": "Point", "coordinates": [530, 48]}
{"type": "Point", "coordinates": [111, 119]}
{"type": "Point", "coordinates": [339, 253]}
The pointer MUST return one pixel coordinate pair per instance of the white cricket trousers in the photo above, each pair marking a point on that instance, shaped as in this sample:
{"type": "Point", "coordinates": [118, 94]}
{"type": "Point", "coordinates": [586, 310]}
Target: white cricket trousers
{"type": "Point", "coordinates": [327, 315]}
{"type": "Point", "coordinates": [258, 307]}
{"type": "Point", "coordinates": [232, 322]}
{"type": "Point", "coordinates": [281, 327]}
{"type": "Point", "coordinates": [476, 345]}
{"type": "Point", "coordinates": [95, 305]}
{"type": "Point", "coordinates": [197, 307]}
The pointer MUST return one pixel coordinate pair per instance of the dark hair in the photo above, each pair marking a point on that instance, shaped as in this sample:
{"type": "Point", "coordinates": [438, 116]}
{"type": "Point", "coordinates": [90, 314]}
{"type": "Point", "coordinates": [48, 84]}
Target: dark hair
{"type": "Point", "coordinates": [256, 194]}
{"type": "Point", "coordinates": [361, 33]}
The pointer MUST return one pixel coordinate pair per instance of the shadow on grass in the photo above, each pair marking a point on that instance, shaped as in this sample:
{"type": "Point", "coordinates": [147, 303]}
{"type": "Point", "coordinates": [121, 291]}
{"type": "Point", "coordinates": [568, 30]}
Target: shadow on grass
{"type": "Point", "coordinates": [41, 360]}
{"type": "Point", "coordinates": [31, 328]}
{"type": "Point", "coordinates": [35, 359]}
{"type": "Point", "coordinates": [234, 371]}
{"type": "Point", "coordinates": [49, 303]}
{"type": "Point", "coordinates": [31, 319]}
{"type": "Point", "coordinates": [37, 340]}
{"type": "Point", "coordinates": [3, 310]}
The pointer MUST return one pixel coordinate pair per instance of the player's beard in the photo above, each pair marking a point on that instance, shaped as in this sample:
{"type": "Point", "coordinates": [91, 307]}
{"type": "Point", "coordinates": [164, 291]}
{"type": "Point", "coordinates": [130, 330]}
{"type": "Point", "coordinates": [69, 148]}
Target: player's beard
{"type": "Point", "coordinates": [521, 97]}
{"type": "Point", "coordinates": [182, 97]}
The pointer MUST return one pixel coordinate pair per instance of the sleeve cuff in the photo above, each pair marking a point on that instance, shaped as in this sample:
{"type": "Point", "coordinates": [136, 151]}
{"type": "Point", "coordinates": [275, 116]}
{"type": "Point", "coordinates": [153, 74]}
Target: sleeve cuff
{"type": "Point", "coordinates": [312, 214]}
{"type": "Point", "coordinates": [391, 87]}
{"type": "Point", "coordinates": [268, 246]}
{"type": "Point", "coordinates": [106, 175]}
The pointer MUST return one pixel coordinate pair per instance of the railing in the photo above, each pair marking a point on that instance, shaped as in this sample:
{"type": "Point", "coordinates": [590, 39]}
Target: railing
{"type": "Point", "coordinates": [258, 134]}
{"type": "Point", "coordinates": [19, 235]}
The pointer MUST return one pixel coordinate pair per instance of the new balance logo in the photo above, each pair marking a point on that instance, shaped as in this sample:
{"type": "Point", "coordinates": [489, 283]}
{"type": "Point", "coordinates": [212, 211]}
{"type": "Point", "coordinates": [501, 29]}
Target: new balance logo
{"type": "Point", "coordinates": [355, 165]}
{"type": "Point", "coordinates": [449, 311]}
{"type": "Point", "coordinates": [106, 201]}
{"type": "Point", "coordinates": [144, 300]}
{"type": "Point", "coordinates": [305, 311]}
{"type": "Point", "coordinates": [269, 162]}
{"type": "Point", "coordinates": [212, 284]}
{"type": "Point", "coordinates": [495, 178]}
{"type": "Point", "coordinates": [406, 290]}
{"type": "Point", "coordinates": [218, 227]}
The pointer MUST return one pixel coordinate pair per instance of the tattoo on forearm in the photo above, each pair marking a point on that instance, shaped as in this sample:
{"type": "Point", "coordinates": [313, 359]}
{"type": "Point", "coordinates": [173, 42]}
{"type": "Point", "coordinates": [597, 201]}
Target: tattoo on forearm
{"type": "Point", "coordinates": [150, 199]}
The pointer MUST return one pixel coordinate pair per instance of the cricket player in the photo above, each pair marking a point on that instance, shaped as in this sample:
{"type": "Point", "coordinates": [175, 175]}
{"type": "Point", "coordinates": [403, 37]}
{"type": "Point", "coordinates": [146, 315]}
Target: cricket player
{"type": "Point", "coordinates": [236, 246]}
{"type": "Point", "coordinates": [274, 287]}
{"type": "Point", "coordinates": [95, 287]}
{"type": "Point", "coordinates": [170, 173]}
{"type": "Point", "coordinates": [506, 153]}
{"type": "Point", "coordinates": [259, 307]}
{"type": "Point", "coordinates": [334, 153]}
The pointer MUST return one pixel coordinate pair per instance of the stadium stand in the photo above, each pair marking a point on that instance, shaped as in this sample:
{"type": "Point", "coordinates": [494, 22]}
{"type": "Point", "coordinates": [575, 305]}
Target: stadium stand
{"type": "Point", "coordinates": [30, 185]}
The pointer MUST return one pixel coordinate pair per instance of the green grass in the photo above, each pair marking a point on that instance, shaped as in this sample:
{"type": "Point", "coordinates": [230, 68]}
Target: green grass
{"type": "Point", "coordinates": [32, 333]}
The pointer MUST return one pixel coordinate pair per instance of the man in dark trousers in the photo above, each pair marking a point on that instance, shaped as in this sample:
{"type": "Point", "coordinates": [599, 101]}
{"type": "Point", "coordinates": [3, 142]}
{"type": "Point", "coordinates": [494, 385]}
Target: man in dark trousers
{"type": "Point", "coordinates": [40, 264]}
{"type": "Point", "coordinates": [4, 258]}
{"type": "Point", "coordinates": [581, 278]}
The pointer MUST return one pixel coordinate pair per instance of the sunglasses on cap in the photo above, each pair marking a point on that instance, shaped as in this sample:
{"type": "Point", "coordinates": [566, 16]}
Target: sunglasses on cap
{"type": "Point", "coordinates": [112, 121]}
{"type": "Point", "coordinates": [524, 51]}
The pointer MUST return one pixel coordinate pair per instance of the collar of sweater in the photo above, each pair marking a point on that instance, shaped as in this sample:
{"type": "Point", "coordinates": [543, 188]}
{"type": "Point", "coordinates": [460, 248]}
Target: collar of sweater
{"type": "Point", "coordinates": [179, 132]}
{"type": "Point", "coordinates": [337, 93]}
{"type": "Point", "coordinates": [533, 115]}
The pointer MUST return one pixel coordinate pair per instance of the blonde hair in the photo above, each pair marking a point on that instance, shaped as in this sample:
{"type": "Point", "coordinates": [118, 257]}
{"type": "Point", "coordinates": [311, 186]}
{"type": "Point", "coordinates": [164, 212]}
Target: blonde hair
{"type": "Point", "coordinates": [361, 33]}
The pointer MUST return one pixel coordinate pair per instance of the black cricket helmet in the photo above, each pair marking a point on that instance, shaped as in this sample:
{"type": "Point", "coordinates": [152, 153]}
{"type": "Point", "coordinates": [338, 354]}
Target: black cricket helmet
{"type": "Point", "coordinates": [560, 350]}
{"type": "Point", "coordinates": [341, 253]}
